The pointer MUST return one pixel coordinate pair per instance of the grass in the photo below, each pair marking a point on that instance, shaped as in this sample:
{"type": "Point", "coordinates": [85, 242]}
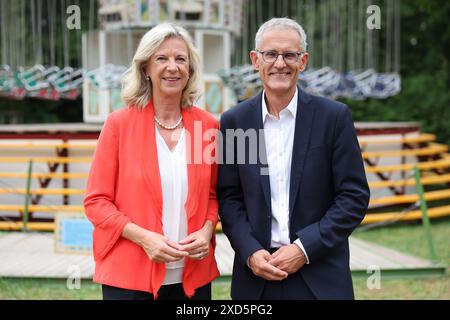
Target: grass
{"type": "Point", "coordinates": [410, 238]}
{"type": "Point", "coordinates": [404, 289]}
{"type": "Point", "coordinates": [405, 237]}
{"type": "Point", "coordinates": [56, 289]}
{"type": "Point", "coordinates": [46, 289]}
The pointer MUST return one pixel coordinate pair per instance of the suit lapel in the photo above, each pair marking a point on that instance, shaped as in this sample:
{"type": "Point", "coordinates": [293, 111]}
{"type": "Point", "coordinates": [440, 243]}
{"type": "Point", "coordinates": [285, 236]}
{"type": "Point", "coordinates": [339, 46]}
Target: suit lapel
{"type": "Point", "coordinates": [303, 126]}
{"type": "Point", "coordinates": [263, 166]}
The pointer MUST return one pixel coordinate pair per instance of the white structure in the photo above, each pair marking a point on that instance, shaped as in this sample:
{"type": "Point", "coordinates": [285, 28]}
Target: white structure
{"type": "Point", "coordinates": [109, 51]}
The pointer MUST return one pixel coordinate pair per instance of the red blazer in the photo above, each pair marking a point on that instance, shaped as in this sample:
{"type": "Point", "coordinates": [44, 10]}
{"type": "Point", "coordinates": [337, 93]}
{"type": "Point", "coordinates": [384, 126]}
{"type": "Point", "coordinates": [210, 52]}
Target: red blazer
{"type": "Point", "coordinates": [124, 186]}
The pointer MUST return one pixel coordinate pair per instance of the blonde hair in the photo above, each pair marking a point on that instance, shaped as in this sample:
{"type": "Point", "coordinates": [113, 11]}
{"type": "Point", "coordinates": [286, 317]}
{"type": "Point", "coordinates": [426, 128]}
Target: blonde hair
{"type": "Point", "coordinates": [136, 89]}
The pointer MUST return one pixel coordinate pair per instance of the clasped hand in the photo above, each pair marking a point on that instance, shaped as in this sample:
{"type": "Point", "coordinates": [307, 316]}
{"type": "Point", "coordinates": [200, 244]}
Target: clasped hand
{"type": "Point", "coordinates": [277, 266]}
{"type": "Point", "coordinates": [195, 246]}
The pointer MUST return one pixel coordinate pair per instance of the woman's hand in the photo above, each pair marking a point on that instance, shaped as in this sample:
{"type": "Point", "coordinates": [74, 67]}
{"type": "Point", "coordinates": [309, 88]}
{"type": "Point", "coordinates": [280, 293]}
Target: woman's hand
{"type": "Point", "coordinates": [161, 249]}
{"type": "Point", "coordinates": [157, 246]}
{"type": "Point", "coordinates": [197, 243]}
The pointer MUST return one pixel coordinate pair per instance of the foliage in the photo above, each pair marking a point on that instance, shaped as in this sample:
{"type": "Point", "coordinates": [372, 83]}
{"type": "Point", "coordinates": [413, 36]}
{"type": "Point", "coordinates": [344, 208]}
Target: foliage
{"type": "Point", "coordinates": [34, 110]}
{"type": "Point", "coordinates": [43, 111]}
{"type": "Point", "coordinates": [425, 69]}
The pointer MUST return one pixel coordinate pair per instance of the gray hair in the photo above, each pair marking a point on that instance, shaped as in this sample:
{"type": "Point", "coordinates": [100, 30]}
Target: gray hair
{"type": "Point", "coordinates": [136, 90]}
{"type": "Point", "coordinates": [282, 23]}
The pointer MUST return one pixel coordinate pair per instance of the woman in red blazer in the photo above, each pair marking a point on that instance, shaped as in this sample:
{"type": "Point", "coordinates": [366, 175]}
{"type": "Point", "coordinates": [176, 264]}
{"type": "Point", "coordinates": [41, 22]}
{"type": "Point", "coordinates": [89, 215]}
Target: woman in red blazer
{"type": "Point", "coordinates": [151, 189]}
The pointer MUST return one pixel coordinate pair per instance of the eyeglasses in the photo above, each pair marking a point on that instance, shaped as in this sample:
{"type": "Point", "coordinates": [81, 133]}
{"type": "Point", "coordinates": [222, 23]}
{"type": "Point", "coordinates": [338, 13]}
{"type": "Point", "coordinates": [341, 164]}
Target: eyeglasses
{"type": "Point", "coordinates": [271, 56]}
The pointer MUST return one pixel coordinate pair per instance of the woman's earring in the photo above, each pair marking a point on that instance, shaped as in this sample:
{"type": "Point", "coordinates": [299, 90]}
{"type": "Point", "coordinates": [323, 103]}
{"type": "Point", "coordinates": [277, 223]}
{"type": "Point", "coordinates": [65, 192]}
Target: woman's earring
{"type": "Point", "coordinates": [147, 77]}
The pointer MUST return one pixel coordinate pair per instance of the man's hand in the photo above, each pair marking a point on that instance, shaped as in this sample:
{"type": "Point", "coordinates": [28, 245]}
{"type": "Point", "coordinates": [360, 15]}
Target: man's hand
{"type": "Point", "coordinates": [259, 263]}
{"type": "Point", "coordinates": [288, 258]}
{"type": "Point", "coordinates": [197, 243]}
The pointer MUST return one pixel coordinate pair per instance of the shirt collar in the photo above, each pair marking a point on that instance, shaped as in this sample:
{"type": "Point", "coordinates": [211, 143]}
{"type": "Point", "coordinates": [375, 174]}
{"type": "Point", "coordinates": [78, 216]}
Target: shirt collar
{"type": "Point", "coordinates": [291, 107]}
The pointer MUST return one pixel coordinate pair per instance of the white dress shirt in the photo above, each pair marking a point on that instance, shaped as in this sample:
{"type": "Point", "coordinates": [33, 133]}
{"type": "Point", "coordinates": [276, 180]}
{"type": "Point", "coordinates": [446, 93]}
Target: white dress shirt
{"type": "Point", "coordinates": [174, 183]}
{"type": "Point", "coordinates": [279, 141]}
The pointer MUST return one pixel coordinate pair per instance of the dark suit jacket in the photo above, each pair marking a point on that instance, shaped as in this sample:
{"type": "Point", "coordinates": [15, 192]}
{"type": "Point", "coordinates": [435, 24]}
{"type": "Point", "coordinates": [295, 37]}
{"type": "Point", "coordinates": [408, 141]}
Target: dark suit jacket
{"type": "Point", "coordinates": [328, 195]}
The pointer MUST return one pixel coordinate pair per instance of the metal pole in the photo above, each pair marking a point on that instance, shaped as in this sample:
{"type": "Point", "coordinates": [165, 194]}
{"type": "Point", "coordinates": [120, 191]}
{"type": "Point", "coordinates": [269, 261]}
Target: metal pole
{"type": "Point", "coordinates": [425, 220]}
{"type": "Point", "coordinates": [27, 196]}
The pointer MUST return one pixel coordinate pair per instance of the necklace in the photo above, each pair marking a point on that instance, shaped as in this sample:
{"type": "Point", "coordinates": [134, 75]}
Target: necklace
{"type": "Point", "coordinates": [169, 127]}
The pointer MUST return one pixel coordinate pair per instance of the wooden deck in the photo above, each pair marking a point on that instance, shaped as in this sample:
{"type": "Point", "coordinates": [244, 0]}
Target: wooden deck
{"type": "Point", "coordinates": [32, 255]}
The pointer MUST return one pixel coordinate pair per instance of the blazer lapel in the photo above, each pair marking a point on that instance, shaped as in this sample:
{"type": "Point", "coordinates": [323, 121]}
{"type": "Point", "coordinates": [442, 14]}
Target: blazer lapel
{"type": "Point", "coordinates": [194, 154]}
{"type": "Point", "coordinates": [149, 157]}
{"type": "Point", "coordinates": [303, 126]}
{"type": "Point", "coordinates": [263, 166]}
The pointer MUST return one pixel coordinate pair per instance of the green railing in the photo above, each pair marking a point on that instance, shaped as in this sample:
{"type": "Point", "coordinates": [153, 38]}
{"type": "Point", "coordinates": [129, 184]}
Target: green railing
{"type": "Point", "coordinates": [425, 220]}
{"type": "Point", "coordinates": [27, 196]}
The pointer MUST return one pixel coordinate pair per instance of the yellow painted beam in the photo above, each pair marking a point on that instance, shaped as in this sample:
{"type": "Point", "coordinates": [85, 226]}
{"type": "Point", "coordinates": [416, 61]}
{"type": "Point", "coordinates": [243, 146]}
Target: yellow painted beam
{"type": "Point", "coordinates": [424, 137]}
{"type": "Point", "coordinates": [45, 159]}
{"type": "Point", "coordinates": [56, 175]}
{"type": "Point", "coordinates": [42, 208]}
{"type": "Point", "coordinates": [436, 179]}
{"type": "Point", "coordinates": [428, 165]}
{"type": "Point", "coordinates": [32, 145]}
{"type": "Point", "coordinates": [44, 191]}
{"type": "Point", "coordinates": [412, 215]}
{"type": "Point", "coordinates": [428, 151]}
{"type": "Point", "coordinates": [35, 226]}
{"type": "Point", "coordinates": [410, 198]}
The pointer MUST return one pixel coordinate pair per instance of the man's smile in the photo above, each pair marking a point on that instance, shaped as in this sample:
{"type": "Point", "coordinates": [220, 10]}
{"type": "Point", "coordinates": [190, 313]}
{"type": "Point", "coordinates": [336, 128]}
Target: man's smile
{"type": "Point", "coordinates": [285, 73]}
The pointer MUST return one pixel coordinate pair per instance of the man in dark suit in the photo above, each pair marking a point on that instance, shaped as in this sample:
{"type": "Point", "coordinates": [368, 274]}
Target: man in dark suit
{"type": "Point", "coordinates": [288, 215]}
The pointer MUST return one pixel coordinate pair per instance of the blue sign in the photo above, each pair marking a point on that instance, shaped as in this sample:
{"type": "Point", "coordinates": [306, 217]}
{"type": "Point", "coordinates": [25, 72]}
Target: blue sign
{"type": "Point", "coordinates": [74, 233]}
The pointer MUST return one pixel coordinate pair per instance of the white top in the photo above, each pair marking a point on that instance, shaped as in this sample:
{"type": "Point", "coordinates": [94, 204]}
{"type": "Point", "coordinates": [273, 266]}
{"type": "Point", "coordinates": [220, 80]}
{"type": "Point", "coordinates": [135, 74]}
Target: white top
{"type": "Point", "coordinates": [279, 141]}
{"type": "Point", "coordinates": [174, 183]}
